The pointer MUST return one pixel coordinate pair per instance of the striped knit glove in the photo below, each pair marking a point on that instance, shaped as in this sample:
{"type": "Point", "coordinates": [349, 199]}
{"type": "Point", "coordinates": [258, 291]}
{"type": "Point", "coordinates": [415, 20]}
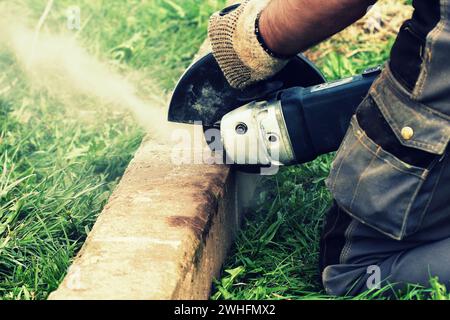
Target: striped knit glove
{"type": "Point", "coordinates": [237, 46]}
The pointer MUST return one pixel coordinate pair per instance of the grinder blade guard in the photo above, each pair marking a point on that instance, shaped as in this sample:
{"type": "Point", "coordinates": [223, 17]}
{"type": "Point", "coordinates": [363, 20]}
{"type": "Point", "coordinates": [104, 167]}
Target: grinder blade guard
{"type": "Point", "coordinates": [204, 96]}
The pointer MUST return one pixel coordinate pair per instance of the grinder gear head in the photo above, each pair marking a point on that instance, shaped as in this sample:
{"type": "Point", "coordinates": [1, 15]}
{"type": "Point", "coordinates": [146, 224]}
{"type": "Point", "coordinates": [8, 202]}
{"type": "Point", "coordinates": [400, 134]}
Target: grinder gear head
{"type": "Point", "coordinates": [256, 134]}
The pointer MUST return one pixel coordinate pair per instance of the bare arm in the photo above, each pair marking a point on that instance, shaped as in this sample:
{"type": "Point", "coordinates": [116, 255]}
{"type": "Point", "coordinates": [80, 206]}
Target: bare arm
{"type": "Point", "coordinates": [291, 26]}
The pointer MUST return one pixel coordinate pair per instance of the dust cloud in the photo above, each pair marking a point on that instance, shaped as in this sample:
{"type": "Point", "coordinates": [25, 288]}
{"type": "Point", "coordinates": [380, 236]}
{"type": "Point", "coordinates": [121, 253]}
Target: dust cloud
{"type": "Point", "coordinates": [58, 64]}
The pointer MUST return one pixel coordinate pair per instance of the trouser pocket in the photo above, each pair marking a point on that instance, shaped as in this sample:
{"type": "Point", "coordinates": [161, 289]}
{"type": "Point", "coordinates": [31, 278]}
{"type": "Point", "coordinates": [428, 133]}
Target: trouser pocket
{"type": "Point", "coordinates": [374, 186]}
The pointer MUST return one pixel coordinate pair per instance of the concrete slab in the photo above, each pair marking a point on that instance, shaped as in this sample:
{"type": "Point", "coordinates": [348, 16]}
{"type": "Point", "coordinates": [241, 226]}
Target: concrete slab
{"type": "Point", "coordinates": [163, 235]}
{"type": "Point", "coordinates": [165, 231]}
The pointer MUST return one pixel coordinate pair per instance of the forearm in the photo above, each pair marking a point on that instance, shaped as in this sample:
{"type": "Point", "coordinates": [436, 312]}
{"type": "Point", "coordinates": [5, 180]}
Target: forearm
{"type": "Point", "coordinates": [291, 26]}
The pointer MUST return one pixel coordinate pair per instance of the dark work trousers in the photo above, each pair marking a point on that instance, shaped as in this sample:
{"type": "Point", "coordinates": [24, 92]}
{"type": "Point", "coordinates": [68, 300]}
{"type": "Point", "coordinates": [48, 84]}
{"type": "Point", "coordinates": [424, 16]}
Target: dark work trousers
{"type": "Point", "coordinates": [390, 221]}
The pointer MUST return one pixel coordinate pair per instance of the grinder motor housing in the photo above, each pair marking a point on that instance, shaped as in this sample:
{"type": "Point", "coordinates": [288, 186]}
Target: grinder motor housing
{"type": "Point", "coordinates": [291, 118]}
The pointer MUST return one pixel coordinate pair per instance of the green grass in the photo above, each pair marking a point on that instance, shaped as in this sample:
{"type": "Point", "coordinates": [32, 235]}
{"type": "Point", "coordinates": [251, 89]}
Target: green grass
{"type": "Point", "coordinates": [56, 170]}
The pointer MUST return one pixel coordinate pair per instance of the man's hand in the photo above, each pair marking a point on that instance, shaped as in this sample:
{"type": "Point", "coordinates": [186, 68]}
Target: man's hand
{"type": "Point", "coordinates": [236, 47]}
{"type": "Point", "coordinates": [254, 41]}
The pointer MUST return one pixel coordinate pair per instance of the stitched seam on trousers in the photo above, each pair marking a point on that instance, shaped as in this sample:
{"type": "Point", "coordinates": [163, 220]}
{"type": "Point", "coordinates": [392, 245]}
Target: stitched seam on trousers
{"type": "Point", "coordinates": [390, 235]}
{"type": "Point", "coordinates": [360, 179]}
{"type": "Point", "coordinates": [433, 36]}
{"type": "Point", "coordinates": [344, 156]}
{"type": "Point", "coordinates": [348, 243]}
{"type": "Point", "coordinates": [408, 208]}
{"type": "Point", "coordinates": [386, 160]}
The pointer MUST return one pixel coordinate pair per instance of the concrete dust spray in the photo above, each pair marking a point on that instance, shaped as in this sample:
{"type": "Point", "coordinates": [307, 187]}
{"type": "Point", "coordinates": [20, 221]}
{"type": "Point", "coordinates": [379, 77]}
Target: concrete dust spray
{"type": "Point", "coordinates": [58, 64]}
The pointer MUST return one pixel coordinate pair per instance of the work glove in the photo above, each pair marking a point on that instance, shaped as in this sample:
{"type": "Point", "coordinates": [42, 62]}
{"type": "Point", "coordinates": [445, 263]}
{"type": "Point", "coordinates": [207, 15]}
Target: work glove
{"type": "Point", "coordinates": [238, 47]}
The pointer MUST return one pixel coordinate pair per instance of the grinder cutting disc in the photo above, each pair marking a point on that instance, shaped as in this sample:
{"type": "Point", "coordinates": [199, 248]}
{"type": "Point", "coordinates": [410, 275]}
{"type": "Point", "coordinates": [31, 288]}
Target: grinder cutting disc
{"type": "Point", "coordinates": [204, 95]}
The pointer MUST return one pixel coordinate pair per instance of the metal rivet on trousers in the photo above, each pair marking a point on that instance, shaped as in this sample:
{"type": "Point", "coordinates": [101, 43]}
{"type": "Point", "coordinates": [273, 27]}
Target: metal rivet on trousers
{"type": "Point", "coordinates": [407, 133]}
